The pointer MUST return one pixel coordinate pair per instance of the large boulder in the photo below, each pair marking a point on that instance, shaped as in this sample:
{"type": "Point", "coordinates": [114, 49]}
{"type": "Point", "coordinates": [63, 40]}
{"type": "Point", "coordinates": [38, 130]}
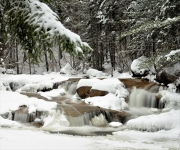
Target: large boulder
{"type": "Point", "coordinates": [139, 69]}
{"type": "Point", "coordinates": [166, 78]}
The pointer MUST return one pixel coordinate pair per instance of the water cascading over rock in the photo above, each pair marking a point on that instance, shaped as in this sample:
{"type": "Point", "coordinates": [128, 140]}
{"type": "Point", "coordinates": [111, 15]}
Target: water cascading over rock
{"type": "Point", "coordinates": [142, 98]}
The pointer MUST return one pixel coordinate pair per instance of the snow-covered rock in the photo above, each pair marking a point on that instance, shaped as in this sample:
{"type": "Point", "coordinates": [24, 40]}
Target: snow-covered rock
{"type": "Point", "coordinates": [138, 69]}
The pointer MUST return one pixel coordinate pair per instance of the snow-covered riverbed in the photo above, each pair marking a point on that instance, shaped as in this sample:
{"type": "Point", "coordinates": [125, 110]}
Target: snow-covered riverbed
{"type": "Point", "coordinates": [153, 131]}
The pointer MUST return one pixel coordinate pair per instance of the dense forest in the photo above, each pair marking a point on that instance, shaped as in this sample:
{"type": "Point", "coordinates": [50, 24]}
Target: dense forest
{"type": "Point", "coordinates": [117, 32]}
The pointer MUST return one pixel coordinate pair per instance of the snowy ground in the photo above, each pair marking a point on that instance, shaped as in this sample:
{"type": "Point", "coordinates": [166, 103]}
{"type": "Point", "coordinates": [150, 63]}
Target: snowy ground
{"type": "Point", "coordinates": [155, 131]}
{"type": "Point", "coordinates": [13, 139]}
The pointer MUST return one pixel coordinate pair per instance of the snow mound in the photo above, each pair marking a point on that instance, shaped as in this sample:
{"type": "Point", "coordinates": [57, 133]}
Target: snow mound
{"type": "Point", "coordinates": [153, 123]}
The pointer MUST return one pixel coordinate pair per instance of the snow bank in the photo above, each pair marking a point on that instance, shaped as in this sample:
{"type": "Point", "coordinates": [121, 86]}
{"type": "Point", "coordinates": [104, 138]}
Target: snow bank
{"type": "Point", "coordinates": [109, 101]}
{"type": "Point", "coordinates": [152, 123]}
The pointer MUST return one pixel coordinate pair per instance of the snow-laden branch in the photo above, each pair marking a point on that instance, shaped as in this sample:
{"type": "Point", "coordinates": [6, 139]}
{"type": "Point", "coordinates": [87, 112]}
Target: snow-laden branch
{"type": "Point", "coordinates": [38, 28]}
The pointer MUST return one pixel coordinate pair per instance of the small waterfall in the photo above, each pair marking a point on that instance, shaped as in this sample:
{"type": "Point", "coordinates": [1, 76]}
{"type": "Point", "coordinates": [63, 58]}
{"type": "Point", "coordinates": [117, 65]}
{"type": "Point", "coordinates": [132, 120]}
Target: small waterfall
{"type": "Point", "coordinates": [70, 87]}
{"type": "Point", "coordinates": [92, 118]}
{"type": "Point", "coordinates": [153, 88]}
{"type": "Point", "coordinates": [142, 98]}
{"type": "Point", "coordinates": [23, 118]}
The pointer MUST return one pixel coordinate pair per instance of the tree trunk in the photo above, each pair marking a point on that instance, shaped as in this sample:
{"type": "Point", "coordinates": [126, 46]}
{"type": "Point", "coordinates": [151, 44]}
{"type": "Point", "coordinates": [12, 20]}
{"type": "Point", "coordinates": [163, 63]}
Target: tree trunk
{"type": "Point", "coordinates": [17, 58]}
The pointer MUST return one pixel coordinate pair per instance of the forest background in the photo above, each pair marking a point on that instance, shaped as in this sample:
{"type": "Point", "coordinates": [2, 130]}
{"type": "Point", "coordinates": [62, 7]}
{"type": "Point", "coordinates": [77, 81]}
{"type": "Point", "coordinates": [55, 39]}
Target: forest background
{"type": "Point", "coordinates": [118, 31]}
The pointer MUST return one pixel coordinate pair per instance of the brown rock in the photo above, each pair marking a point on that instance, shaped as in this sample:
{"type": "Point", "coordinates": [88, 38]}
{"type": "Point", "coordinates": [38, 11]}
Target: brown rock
{"type": "Point", "coordinates": [94, 92]}
{"type": "Point", "coordinates": [83, 91]}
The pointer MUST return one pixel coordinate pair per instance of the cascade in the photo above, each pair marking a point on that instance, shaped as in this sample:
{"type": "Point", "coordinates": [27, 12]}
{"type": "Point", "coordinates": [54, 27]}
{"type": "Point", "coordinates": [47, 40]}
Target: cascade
{"type": "Point", "coordinates": [142, 98]}
{"type": "Point", "coordinates": [24, 118]}
{"type": "Point", "coordinates": [70, 87]}
{"type": "Point", "coordinates": [20, 117]}
{"type": "Point", "coordinates": [89, 118]}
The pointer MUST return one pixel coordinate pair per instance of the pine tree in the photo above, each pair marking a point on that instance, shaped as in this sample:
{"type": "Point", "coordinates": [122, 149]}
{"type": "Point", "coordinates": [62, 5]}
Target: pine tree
{"type": "Point", "coordinates": [37, 28]}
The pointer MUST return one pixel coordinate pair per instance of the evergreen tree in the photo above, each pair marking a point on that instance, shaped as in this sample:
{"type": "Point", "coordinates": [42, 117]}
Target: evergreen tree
{"type": "Point", "coordinates": [37, 28]}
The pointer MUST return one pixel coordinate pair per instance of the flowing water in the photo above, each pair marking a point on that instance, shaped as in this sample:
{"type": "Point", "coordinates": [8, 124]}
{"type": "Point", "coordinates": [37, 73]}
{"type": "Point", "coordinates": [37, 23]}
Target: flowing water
{"type": "Point", "coordinates": [142, 98]}
{"type": "Point", "coordinates": [83, 115]}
